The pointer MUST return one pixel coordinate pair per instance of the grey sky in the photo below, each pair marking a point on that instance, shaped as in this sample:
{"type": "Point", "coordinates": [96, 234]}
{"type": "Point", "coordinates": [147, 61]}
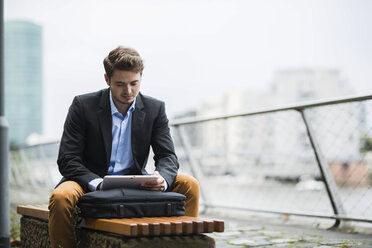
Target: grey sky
{"type": "Point", "coordinates": [195, 49]}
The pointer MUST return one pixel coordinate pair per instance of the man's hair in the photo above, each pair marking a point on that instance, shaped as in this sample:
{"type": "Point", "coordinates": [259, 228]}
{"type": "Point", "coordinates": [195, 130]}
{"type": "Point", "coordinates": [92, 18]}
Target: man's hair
{"type": "Point", "coordinates": [123, 58]}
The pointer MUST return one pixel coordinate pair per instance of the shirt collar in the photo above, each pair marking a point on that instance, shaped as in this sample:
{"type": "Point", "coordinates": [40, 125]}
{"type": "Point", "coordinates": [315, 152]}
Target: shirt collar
{"type": "Point", "coordinates": [114, 110]}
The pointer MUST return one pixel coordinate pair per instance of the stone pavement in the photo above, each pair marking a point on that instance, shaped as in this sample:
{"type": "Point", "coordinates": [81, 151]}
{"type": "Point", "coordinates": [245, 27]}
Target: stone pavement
{"type": "Point", "coordinates": [262, 232]}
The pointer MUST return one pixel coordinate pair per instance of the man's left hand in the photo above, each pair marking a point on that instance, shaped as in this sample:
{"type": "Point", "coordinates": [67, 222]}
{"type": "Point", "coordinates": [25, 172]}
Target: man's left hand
{"type": "Point", "coordinates": [155, 185]}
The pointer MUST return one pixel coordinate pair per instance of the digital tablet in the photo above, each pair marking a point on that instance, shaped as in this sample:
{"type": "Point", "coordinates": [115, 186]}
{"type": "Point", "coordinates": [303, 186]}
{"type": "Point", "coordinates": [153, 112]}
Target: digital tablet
{"type": "Point", "coordinates": [126, 181]}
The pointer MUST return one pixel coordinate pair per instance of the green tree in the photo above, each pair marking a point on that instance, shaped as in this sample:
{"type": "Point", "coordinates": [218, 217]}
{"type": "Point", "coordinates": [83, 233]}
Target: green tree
{"type": "Point", "coordinates": [365, 144]}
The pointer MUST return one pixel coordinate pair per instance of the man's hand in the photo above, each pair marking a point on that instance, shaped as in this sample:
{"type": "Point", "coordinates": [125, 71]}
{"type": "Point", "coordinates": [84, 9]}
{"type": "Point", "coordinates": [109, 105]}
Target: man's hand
{"type": "Point", "coordinates": [155, 185]}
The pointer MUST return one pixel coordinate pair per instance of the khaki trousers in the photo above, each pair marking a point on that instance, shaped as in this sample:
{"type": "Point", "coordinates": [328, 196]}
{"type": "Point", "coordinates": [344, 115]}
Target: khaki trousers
{"type": "Point", "coordinates": [66, 195]}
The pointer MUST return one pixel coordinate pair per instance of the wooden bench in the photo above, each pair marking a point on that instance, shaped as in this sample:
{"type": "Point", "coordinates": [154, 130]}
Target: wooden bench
{"type": "Point", "coordinates": [181, 231]}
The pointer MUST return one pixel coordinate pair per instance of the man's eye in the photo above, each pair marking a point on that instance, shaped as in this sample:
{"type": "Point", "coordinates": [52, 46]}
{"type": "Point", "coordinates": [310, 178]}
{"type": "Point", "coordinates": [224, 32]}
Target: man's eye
{"type": "Point", "coordinates": [119, 84]}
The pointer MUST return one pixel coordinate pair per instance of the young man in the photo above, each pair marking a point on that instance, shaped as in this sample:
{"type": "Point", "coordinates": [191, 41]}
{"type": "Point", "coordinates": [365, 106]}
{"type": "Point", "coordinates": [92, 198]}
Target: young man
{"type": "Point", "coordinates": [110, 132]}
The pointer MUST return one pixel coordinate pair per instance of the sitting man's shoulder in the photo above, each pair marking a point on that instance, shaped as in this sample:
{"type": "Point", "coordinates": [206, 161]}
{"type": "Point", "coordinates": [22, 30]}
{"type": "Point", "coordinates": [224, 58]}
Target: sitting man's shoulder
{"type": "Point", "coordinates": [149, 99]}
{"type": "Point", "coordinates": [93, 95]}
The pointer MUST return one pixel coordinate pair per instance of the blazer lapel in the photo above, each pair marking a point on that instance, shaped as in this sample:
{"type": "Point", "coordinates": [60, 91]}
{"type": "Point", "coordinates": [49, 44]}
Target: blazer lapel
{"type": "Point", "coordinates": [105, 122]}
{"type": "Point", "coordinates": [138, 118]}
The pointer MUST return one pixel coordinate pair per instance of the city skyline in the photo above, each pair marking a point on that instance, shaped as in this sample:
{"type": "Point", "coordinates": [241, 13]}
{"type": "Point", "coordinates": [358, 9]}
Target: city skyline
{"type": "Point", "coordinates": [225, 45]}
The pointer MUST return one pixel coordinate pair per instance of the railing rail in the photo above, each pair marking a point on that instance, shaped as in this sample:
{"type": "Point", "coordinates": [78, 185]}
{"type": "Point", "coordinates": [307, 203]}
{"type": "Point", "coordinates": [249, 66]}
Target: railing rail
{"type": "Point", "coordinates": [267, 110]}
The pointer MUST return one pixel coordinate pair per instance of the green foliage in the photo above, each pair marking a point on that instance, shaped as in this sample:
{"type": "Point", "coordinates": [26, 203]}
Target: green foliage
{"type": "Point", "coordinates": [365, 144]}
{"type": "Point", "coordinates": [14, 225]}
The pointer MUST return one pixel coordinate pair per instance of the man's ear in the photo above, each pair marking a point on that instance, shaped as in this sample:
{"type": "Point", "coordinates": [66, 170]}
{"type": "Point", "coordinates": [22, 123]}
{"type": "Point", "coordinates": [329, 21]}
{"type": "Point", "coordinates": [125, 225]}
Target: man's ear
{"type": "Point", "coordinates": [107, 79]}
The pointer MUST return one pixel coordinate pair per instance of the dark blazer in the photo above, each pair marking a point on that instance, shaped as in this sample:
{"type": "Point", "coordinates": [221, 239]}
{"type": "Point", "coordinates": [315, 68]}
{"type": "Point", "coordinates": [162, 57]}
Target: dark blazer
{"type": "Point", "coordinates": [85, 149]}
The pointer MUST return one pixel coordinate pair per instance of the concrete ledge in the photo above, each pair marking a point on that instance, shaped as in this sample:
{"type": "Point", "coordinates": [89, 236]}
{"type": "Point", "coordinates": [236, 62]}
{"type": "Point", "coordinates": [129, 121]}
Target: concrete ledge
{"type": "Point", "coordinates": [34, 233]}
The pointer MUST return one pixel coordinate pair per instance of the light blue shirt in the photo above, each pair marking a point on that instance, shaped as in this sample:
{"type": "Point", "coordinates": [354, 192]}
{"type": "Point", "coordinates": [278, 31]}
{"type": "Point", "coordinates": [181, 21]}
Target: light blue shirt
{"type": "Point", "coordinates": [121, 152]}
{"type": "Point", "coordinates": [121, 160]}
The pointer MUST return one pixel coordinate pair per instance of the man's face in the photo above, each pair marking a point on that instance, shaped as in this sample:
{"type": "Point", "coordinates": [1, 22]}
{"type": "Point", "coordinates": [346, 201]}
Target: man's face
{"type": "Point", "coordinates": [124, 86]}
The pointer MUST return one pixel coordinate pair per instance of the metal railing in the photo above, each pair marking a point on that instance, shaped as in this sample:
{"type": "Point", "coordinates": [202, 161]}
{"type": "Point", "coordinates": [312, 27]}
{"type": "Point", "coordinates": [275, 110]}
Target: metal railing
{"type": "Point", "coordinates": [336, 167]}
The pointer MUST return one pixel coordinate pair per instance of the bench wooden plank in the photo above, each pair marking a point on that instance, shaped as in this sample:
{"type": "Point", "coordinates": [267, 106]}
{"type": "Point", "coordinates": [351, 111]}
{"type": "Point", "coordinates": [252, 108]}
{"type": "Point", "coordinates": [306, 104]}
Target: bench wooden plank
{"type": "Point", "coordinates": [154, 225]}
{"type": "Point", "coordinates": [143, 229]}
{"type": "Point", "coordinates": [187, 227]}
{"type": "Point", "coordinates": [208, 226]}
{"type": "Point", "coordinates": [192, 224]}
{"type": "Point", "coordinates": [165, 226]}
{"type": "Point", "coordinates": [118, 226]}
{"type": "Point", "coordinates": [147, 226]}
{"type": "Point", "coordinates": [219, 225]}
{"type": "Point", "coordinates": [40, 212]}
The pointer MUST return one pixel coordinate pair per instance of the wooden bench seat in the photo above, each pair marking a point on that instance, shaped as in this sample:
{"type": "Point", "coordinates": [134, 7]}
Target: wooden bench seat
{"type": "Point", "coordinates": [136, 227]}
{"type": "Point", "coordinates": [132, 227]}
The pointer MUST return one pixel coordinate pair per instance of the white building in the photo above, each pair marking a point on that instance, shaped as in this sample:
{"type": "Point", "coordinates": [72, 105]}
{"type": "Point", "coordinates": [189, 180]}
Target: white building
{"type": "Point", "coordinates": [337, 127]}
{"type": "Point", "coordinates": [280, 139]}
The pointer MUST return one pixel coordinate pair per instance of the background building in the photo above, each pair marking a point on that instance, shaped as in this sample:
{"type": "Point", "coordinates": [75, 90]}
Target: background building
{"type": "Point", "coordinates": [23, 79]}
{"type": "Point", "coordinates": [238, 144]}
{"type": "Point", "coordinates": [336, 126]}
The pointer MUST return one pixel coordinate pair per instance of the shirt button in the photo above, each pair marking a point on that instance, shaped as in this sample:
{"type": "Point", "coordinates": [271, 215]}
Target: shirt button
{"type": "Point", "coordinates": [119, 161]}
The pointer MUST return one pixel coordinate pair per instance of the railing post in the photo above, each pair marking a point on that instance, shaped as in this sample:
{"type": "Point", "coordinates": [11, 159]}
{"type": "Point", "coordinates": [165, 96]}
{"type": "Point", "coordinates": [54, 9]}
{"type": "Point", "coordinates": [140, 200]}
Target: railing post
{"type": "Point", "coordinates": [4, 148]}
{"type": "Point", "coordinates": [194, 165]}
{"type": "Point", "coordinates": [329, 183]}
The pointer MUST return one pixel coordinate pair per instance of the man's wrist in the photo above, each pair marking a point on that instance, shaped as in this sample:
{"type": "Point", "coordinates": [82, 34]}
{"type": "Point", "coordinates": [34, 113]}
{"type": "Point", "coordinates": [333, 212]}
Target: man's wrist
{"type": "Point", "coordinates": [93, 184]}
{"type": "Point", "coordinates": [165, 186]}
{"type": "Point", "coordinates": [99, 186]}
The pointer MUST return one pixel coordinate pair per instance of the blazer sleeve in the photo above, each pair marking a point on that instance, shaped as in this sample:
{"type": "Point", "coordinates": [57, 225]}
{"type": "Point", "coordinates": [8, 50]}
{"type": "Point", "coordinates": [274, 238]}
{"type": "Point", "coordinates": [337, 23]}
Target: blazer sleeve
{"type": "Point", "coordinates": [166, 161]}
{"type": "Point", "coordinates": [70, 158]}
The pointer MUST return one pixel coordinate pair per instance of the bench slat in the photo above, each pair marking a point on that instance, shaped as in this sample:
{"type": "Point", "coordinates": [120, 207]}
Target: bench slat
{"type": "Point", "coordinates": [118, 226]}
{"type": "Point", "coordinates": [40, 212]}
{"type": "Point", "coordinates": [143, 228]}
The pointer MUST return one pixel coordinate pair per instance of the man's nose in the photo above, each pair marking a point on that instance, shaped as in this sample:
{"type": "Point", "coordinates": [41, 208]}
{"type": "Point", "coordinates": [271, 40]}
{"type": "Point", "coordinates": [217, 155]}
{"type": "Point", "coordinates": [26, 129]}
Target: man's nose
{"type": "Point", "coordinates": [127, 90]}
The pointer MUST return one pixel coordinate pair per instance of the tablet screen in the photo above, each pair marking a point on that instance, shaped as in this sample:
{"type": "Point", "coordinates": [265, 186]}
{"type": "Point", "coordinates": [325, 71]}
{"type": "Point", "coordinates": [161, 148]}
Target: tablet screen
{"type": "Point", "coordinates": [126, 181]}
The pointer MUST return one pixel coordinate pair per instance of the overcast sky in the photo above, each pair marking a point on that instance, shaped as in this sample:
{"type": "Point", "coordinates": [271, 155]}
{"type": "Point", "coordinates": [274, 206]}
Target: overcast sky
{"type": "Point", "coordinates": [195, 49]}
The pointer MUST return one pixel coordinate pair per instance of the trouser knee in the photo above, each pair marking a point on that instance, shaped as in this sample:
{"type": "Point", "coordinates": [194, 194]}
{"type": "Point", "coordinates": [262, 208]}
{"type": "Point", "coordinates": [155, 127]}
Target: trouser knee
{"type": "Point", "coordinates": [187, 184]}
{"type": "Point", "coordinates": [59, 202]}
{"type": "Point", "coordinates": [192, 183]}
{"type": "Point", "coordinates": [65, 197]}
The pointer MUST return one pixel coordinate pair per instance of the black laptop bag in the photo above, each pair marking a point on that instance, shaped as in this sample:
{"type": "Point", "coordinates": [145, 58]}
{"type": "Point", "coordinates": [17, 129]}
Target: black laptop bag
{"type": "Point", "coordinates": [128, 203]}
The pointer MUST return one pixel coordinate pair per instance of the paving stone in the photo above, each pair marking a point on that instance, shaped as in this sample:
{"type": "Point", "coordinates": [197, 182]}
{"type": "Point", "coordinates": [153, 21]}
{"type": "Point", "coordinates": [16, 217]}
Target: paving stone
{"type": "Point", "coordinates": [249, 234]}
{"type": "Point", "coordinates": [283, 240]}
{"type": "Point", "coordinates": [312, 239]}
{"type": "Point", "coordinates": [223, 244]}
{"type": "Point", "coordinates": [225, 234]}
{"type": "Point", "coordinates": [297, 237]}
{"type": "Point", "coordinates": [306, 245]}
{"type": "Point", "coordinates": [249, 242]}
{"type": "Point", "coordinates": [332, 242]}
{"type": "Point", "coordinates": [271, 233]}
{"type": "Point", "coordinates": [227, 238]}
{"type": "Point", "coordinates": [258, 244]}
{"type": "Point", "coordinates": [353, 243]}
{"type": "Point", "coordinates": [282, 245]}
{"type": "Point", "coordinates": [249, 228]}
{"type": "Point", "coordinates": [241, 241]}
{"type": "Point", "coordinates": [260, 238]}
